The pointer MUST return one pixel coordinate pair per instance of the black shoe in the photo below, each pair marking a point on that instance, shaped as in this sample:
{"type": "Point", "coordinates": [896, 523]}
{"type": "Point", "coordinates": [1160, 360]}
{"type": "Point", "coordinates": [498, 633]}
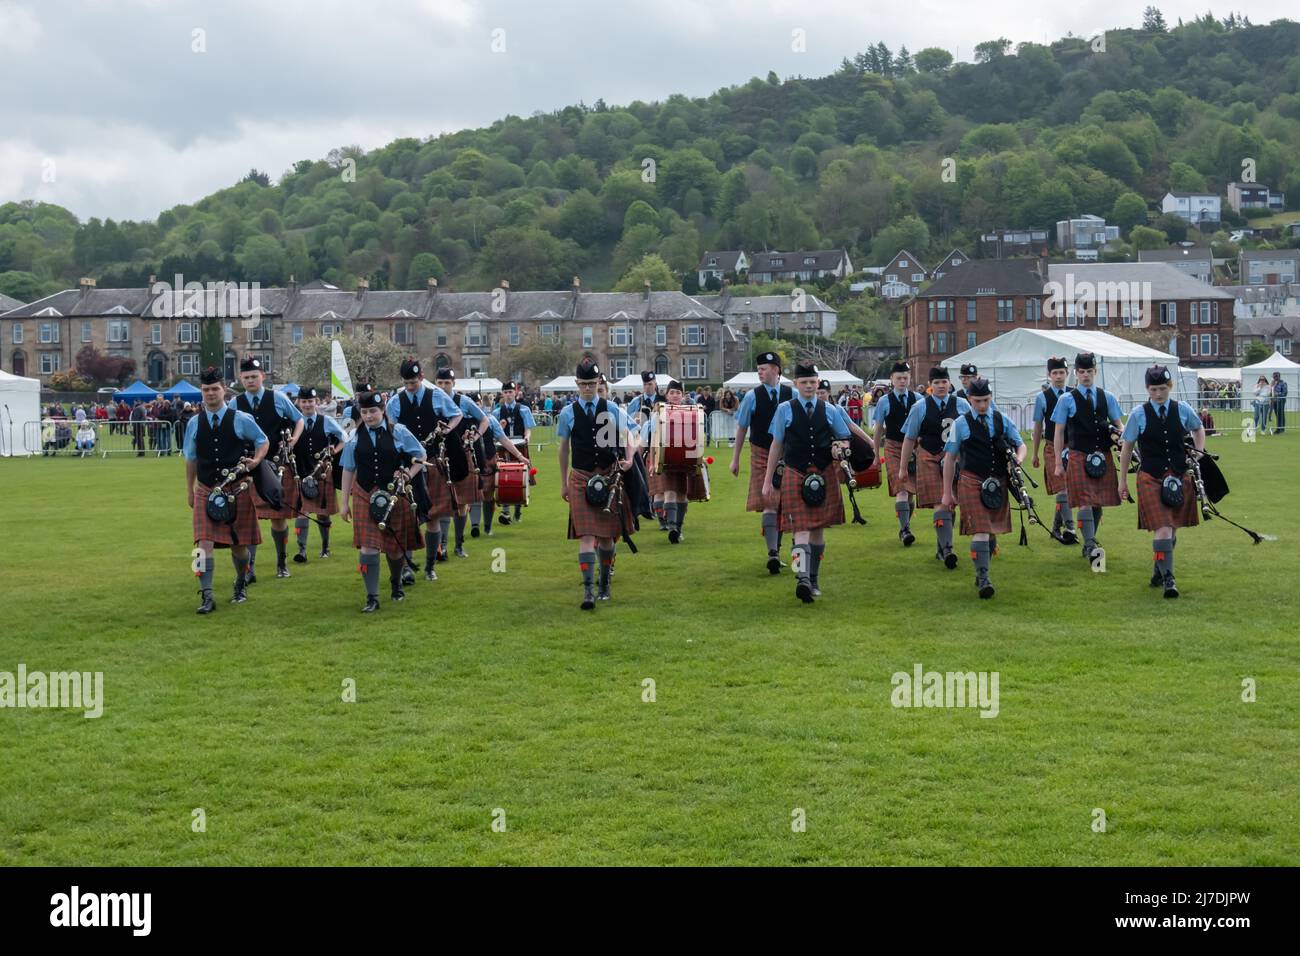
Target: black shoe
{"type": "Point", "coordinates": [208, 605]}
{"type": "Point", "coordinates": [408, 576]}
{"type": "Point", "coordinates": [905, 535]}
{"type": "Point", "coordinates": [281, 571]}
{"type": "Point", "coordinates": [473, 531]}
{"type": "Point", "coordinates": [816, 591]}
{"type": "Point", "coordinates": [397, 593]}
{"type": "Point", "coordinates": [949, 558]}
{"type": "Point", "coordinates": [460, 552]}
{"type": "Point", "coordinates": [372, 604]}
{"type": "Point", "coordinates": [300, 557]}
{"type": "Point", "coordinates": [1068, 536]}
{"type": "Point", "coordinates": [803, 591]}
{"type": "Point", "coordinates": [519, 516]}
{"type": "Point", "coordinates": [504, 518]}
{"type": "Point", "coordinates": [674, 535]}
{"type": "Point", "coordinates": [487, 532]}
{"type": "Point", "coordinates": [1157, 578]}
{"type": "Point", "coordinates": [429, 573]}
{"type": "Point", "coordinates": [250, 577]}
{"type": "Point", "coordinates": [603, 593]}
{"type": "Point", "coordinates": [588, 599]}
{"type": "Point", "coordinates": [1171, 589]}
{"type": "Point", "coordinates": [240, 595]}
{"type": "Point", "coordinates": [985, 586]}
{"type": "Point", "coordinates": [773, 563]}
{"type": "Point", "coordinates": [441, 554]}
{"type": "Point", "coordinates": [325, 553]}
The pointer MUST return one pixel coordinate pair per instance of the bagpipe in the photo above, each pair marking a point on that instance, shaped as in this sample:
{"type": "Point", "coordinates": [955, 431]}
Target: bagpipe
{"type": "Point", "coordinates": [1211, 486]}
{"type": "Point", "coordinates": [992, 493]}
{"type": "Point", "coordinates": [861, 469]}
{"type": "Point", "coordinates": [310, 486]}
{"type": "Point", "coordinates": [626, 491]}
{"type": "Point", "coordinates": [383, 500]}
{"type": "Point", "coordinates": [221, 504]}
{"type": "Point", "coordinates": [1117, 444]}
{"type": "Point", "coordinates": [435, 443]}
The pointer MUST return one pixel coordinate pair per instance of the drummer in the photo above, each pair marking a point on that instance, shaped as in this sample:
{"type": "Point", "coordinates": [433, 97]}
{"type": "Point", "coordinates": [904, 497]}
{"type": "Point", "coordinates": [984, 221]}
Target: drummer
{"type": "Point", "coordinates": [835, 411]}
{"type": "Point", "coordinates": [678, 484]}
{"type": "Point", "coordinates": [517, 421]}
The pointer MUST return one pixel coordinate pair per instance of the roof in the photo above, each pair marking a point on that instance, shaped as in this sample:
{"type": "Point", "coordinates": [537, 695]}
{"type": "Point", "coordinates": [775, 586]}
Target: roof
{"type": "Point", "coordinates": [826, 259]}
{"type": "Point", "coordinates": [1182, 195]}
{"type": "Point", "coordinates": [760, 304]}
{"type": "Point", "coordinates": [1263, 255]}
{"type": "Point", "coordinates": [987, 277]}
{"type": "Point", "coordinates": [947, 260]}
{"type": "Point", "coordinates": [903, 252]}
{"type": "Point", "coordinates": [726, 260]}
{"type": "Point", "coordinates": [1166, 282]}
{"type": "Point", "coordinates": [9, 302]}
{"type": "Point", "coordinates": [1184, 254]}
{"type": "Point", "coordinates": [1266, 325]}
{"type": "Point", "coordinates": [1030, 342]}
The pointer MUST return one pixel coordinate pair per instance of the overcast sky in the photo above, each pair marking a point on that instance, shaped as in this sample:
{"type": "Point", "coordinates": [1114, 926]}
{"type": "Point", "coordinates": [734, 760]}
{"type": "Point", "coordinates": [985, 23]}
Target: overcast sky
{"type": "Point", "coordinates": [110, 100]}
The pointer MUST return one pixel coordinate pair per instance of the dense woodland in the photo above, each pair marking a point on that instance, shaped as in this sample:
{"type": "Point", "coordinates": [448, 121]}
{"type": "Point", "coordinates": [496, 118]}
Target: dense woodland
{"type": "Point", "coordinates": [617, 194]}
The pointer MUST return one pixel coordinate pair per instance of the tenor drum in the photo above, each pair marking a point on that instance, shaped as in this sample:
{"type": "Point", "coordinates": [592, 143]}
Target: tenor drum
{"type": "Point", "coordinates": [678, 440]}
{"type": "Point", "coordinates": [512, 483]}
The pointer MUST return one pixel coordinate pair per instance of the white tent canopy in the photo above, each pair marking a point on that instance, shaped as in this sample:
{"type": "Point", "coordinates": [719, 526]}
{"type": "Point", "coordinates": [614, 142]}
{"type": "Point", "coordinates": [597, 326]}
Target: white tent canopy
{"type": "Point", "coordinates": [748, 380]}
{"type": "Point", "coordinates": [478, 384]}
{"type": "Point", "coordinates": [634, 381]}
{"type": "Point", "coordinates": [1277, 362]}
{"type": "Point", "coordinates": [20, 421]}
{"type": "Point", "coordinates": [1218, 374]}
{"type": "Point", "coordinates": [839, 378]}
{"type": "Point", "coordinates": [564, 383]}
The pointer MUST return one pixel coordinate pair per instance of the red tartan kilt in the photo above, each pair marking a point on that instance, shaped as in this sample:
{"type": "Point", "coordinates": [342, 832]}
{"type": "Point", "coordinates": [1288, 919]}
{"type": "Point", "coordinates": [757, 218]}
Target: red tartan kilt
{"type": "Point", "coordinates": [288, 498]}
{"type": "Point", "coordinates": [695, 486]}
{"type": "Point", "coordinates": [1096, 492]}
{"type": "Point", "coordinates": [467, 489]}
{"type": "Point", "coordinates": [798, 516]}
{"type": "Point", "coordinates": [1051, 484]}
{"type": "Point", "coordinates": [893, 454]}
{"type": "Point", "coordinates": [975, 518]}
{"type": "Point", "coordinates": [245, 530]}
{"type": "Point", "coordinates": [755, 501]}
{"type": "Point", "coordinates": [656, 484]}
{"type": "Point", "coordinates": [487, 482]}
{"type": "Point", "coordinates": [929, 479]}
{"type": "Point", "coordinates": [1154, 513]}
{"type": "Point", "coordinates": [674, 481]}
{"type": "Point", "coordinates": [402, 535]}
{"type": "Point", "coordinates": [327, 503]}
{"type": "Point", "coordinates": [439, 493]}
{"type": "Point", "coordinates": [584, 519]}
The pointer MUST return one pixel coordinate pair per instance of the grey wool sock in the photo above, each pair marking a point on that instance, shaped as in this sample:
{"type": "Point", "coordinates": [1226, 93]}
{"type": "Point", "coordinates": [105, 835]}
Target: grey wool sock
{"type": "Point", "coordinates": [771, 536]}
{"type": "Point", "coordinates": [1086, 525]}
{"type": "Point", "coordinates": [205, 577]}
{"type": "Point", "coordinates": [324, 534]}
{"type": "Point", "coordinates": [817, 551]}
{"type": "Point", "coordinates": [395, 566]}
{"type": "Point", "coordinates": [1164, 554]}
{"type": "Point", "coordinates": [943, 528]}
{"type": "Point", "coordinates": [904, 511]}
{"type": "Point", "coordinates": [460, 531]}
{"type": "Point", "coordinates": [281, 539]}
{"type": "Point", "coordinates": [476, 513]}
{"type": "Point", "coordinates": [252, 555]}
{"type": "Point", "coordinates": [587, 561]}
{"type": "Point", "coordinates": [681, 512]}
{"type": "Point", "coordinates": [241, 564]}
{"type": "Point", "coordinates": [1063, 515]}
{"type": "Point", "coordinates": [674, 513]}
{"type": "Point", "coordinates": [606, 560]}
{"type": "Point", "coordinates": [801, 560]}
{"type": "Point", "coordinates": [300, 530]}
{"type": "Point", "coordinates": [370, 572]}
{"type": "Point", "coordinates": [979, 551]}
{"type": "Point", "coordinates": [444, 530]}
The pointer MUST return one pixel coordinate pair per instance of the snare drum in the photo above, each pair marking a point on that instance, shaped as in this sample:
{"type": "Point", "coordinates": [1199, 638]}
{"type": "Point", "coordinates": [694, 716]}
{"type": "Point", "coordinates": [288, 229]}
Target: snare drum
{"type": "Point", "coordinates": [512, 483]}
{"type": "Point", "coordinates": [678, 440]}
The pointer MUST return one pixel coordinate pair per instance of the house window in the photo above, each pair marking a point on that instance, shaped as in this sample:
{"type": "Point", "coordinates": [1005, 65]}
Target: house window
{"type": "Point", "coordinates": [619, 368]}
{"type": "Point", "coordinates": [781, 262]}
{"type": "Point", "coordinates": [620, 336]}
{"type": "Point", "coordinates": [330, 329]}
{"type": "Point", "coordinates": [550, 334]}
{"type": "Point", "coordinates": [972, 340]}
{"type": "Point", "coordinates": [476, 335]}
{"type": "Point", "coordinates": [18, 333]}
{"type": "Point", "coordinates": [265, 359]}
{"type": "Point", "coordinates": [49, 362]}
{"type": "Point", "coordinates": [1205, 313]}
{"type": "Point", "coordinates": [902, 263]}
{"type": "Point", "coordinates": [1006, 310]}
{"type": "Point", "coordinates": [187, 333]}
{"type": "Point", "coordinates": [227, 333]}
{"type": "Point", "coordinates": [119, 330]}
{"type": "Point", "coordinates": [970, 310]}
{"type": "Point", "coordinates": [941, 340]}
{"type": "Point", "coordinates": [695, 366]}
{"type": "Point", "coordinates": [514, 335]}
{"type": "Point", "coordinates": [85, 331]}
{"type": "Point", "coordinates": [661, 337]}
{"type": "Point", "coordinates": [586, 337]}
{"type": "Point", "coordinates": [369, 330]}
{"type": "Point", "coordinates": [402, 333]}
{"type": "Point", "coordinates": [1195, 349]}
{"type": "Point", "coordinates": [1216, 313]}
{"type": "Point", "coordinates": [259, 333]}
{"type": "Point", "coordinates": [661, 364]}
{"type": "Point", "coordinates": [441, 335]}
{"type": "Point", "coordinates": [1168, 313]}
{"type": "Point", "coordinates": [50, 332]}
{"type": "Point", "coordinates": [1103, 313]}
{"type": "Point", "coordinates": [155, 334]}
{"type": "Point", "coordinates": [1071, 315]}
{"type": "Point", "coordinates": [918, 276]}
{"type": "Point", "coordinates": [296, 333]}
{"type": "Point", "coordinates": [189, 363]}
{"type": "Point", "coordinates": [1033, 310]}
{"type": "Point", "coordinates": [891, 278]}
{"type": "Point", "coordinates": [693, 335]}
{"type": "Point", "coordinates": [1205, 345]}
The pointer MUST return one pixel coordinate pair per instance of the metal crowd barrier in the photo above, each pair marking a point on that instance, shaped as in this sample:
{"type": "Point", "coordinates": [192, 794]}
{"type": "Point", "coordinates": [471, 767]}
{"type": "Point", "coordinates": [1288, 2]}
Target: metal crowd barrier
{"type": "Point", "coordinates": [56, 437]}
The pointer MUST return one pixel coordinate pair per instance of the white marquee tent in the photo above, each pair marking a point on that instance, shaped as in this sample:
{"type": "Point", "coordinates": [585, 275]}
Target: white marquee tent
{"type": "Point", "coordinates": [748, 380]}
{"type": "Point", "coordinates": [839, 378]}
{"type": "Point", "coordinates": [1277, 362]}
{"type": "Point", "coordinates": [565, 383]}
{"type": "Point", "coordinates": [20, 415]}
{"type": "Point", "coordinates": [478, 385]}
{"type": "Point", "coordinates": [1016, 366]}
{"type": "Point", "coordinates": [633, 381]}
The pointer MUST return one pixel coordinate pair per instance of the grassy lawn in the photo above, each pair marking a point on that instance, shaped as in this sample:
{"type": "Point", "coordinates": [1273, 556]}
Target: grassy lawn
{"type": "Point", "coordinates": [488, 691]}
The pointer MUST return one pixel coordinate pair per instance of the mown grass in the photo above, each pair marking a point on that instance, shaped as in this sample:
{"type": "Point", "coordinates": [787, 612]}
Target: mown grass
{"type": "Point", "coordinates": [488, 691]}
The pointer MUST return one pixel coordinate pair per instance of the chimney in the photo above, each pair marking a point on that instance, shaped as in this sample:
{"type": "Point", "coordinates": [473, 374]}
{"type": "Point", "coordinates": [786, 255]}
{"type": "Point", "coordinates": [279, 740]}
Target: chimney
{"type": "Point", "coordinates": [86, 285]}
{"type": "Point", "coordinates": [363, 286]}
{"type": "Point", "coordinates": [432, 286]}
{"type": "Point", "coordinates": [647, 288]}
{"type": "Point", "coordinates": [1042, 265]}
{"type": "Point", "coordinates": [293, 284]}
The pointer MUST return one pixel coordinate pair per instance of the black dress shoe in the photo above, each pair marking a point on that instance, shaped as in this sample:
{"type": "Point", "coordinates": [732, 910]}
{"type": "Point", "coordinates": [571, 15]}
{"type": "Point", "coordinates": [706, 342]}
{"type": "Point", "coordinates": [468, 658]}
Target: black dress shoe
{"type": "Point", "coordinates": [300, 557]}
{"type": "Point", "coordinates": [603, 593]}
{"type": "Point", "coordinates": [372, 604]}
{"type": "Point", "coordinates": [408, 575]}
{"type": "Point", "coordinates": [905, 535]}
{"type": "Point", "coordinates": [1157, 578]}
{"type": "Point", "coordinates": [441, 554]}
{"type": "Point", "coordinates": [208, 605]}
{"type": "Point", "coordinates": [240, 595]}
{"type": "Point", "coordinates": [473, 531]}
{"type": "Point", "coordinates": [674, 535]}
{"type": "Point", "coordinates": [429, 573]}
{"type": "Point", "coordinates": [397, 593]}
{"type": "Point", "coordinates": [1171, 589]}
{"type": "Point", "coordinates": [949, 558]}
{"type": "Point", "coordinates": [281, 571]}
{"type": "Point", "coordinates": [773, 563]}
{"type": "Point", "coordinates": [250, 577]}
{"type": "Point", "coordinates": [325, 553]}
{"type": "Point", "coordinates": [504, 518]}
{"type": "Point", "coordinates": [803, 591]}
{"type": "Point", "coordinates": [985, 586]}
{"type": "Point", "coordinates": [460, 552]}
{"type": "Point", "coordinates": [588, 598]}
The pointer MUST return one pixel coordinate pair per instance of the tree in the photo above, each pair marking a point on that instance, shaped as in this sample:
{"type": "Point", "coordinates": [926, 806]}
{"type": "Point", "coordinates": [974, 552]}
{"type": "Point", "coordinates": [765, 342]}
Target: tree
{"type": "Point", "coordinates": [640, 213]}
{"type": "Point", "coordinates": [370, 358]}
{"type": "Point", "coordinates": [1255, 353]}
{"type": "Point", "coordinates": [544, 360]}
{"type": "Point", "coordinates": [932, 60]}
{"type": "Point", "coordinates": [804, 162]}
{"type": "Point", "coordinates": [991, 50]}
{"type": "Point", "coordinates": [582, 219]}
{"type": "Point", "coordinates": [1129, 210]}
{"type": "Point", "coordinates": [650, 268]}
{"type": "Point", "coordinates": [424, 266]}
{"type": "Point", "coordinates": [22, 286]}
{"type": "Point", "coordinates": [528, 257]}
{"type": "Point", "coordinates": [691, 282]}
{"type": "Point", "coordinates": [212, 345]}
{"type": "Point", "coordinates": [1153, 21]}
{"type": "Point", "coordinates": [262, 260]}
{"type": "Point", "coordinates": [255, 176]}
{"type": "Point", "coordinates": [101, 369]}
{"type": "Point", "coordinates": [636, 244]}
{"type": "Point", "coordinates": [683, 170]}
{"type": "Point", "coordinates": [1144, 237]}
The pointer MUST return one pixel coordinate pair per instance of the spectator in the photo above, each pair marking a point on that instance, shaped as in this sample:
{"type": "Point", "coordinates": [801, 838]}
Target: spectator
{"type": "Point", "coordinates": [80, 415]}
{"type": "Point", "coordinates": [165, 427]}
{"type": "Point", "coordinates": [137, 418]}
{"type": "Point", "coordinates": [855, 407]}
{"type": "Point", "coordinates": [85, 438]}
{"type": "Point", "coordinates": [729, 403]}
{"type": "Point", "coordinates": [1279, 403]}
{"type": "Point", "coordinates": [1263, 401]}
{"type": "Point", "coordinates": [123, 413]}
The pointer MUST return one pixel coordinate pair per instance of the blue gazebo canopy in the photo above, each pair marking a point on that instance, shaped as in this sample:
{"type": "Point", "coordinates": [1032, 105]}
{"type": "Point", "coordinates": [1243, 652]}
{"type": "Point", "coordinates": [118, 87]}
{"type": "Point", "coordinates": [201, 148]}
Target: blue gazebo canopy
{"type": "Point", "coordinates": [137, 392]}
{"type": "Point", "coordinates": [183, 390]}
{"type": "Point", "coordinates": [289, 388]}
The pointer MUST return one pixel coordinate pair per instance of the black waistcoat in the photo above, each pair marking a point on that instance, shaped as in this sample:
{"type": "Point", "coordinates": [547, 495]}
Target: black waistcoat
{"type": "Point", "coordinates": [419, 416]}
{"type": "Point", "coordinates": [1088, 429]}
{"type": "Point", "coordinates": [512, 420]}
{"type": "Point", "coordinates": [217, 448]}
{"type": "Point", "coordinates": [268, 418]}
{"type": "Point", "coordinates": [765, 407]}
{"type": "Point", "coordinates": [1050, 398]}
{"type": "Point", "coordinates": [377, 460]}
{"type": "Point", "coordinates": [977, 450]}
{"type": "Point", "coordinates": [585, 454]}
{"type": "Point", "coordinates": [808, 437]}
{"type": "Point", "coordinates": [1161, 443]}
{"type": "Point", "coordinates": [313, 440]}
{"type": "Point", "coordinates": [897, 414]}
{"type": "Point", "coordinates": [931, 435]}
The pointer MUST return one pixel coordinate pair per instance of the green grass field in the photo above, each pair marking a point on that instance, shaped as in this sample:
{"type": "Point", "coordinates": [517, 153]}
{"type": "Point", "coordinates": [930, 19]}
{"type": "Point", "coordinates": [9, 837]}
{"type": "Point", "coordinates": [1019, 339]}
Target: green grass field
{"type": "Point", "coordinates": [492, 690]}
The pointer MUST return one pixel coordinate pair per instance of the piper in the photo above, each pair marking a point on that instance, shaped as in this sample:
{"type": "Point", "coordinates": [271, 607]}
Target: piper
{"type": "Point", "coordinates": [1084, 416]}
{"type": "Point", "coordinates": [322, 439]}
{"type": "Point", "coordinates": [754, 418]}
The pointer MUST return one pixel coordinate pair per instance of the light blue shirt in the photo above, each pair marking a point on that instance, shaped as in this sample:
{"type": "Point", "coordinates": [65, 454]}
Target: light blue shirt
{"type": "Point", "coordinates": [1137, 419]}
{"type": "Point", "coordinates": [442, 404]}
{"type": "Point", "coordinates": [283, 404]}
{"type": "Point", "coordinates": [749, 404]}
{"type": "Point", "coordinates": [245, 427]}
{"type": "Point", "coordinates": [882, 407]}
{"type": "Point", "coordinates": [838, 421]}
{"type": "Point", "coordinates": [402, 438]}
{"type": "Point", "coordinates": [333, 430]}
{"type": "Point", "coordinates": [634, 406]}
{"type": "Point", "coordinates": [1040, 409]}
{"type": "Point", "coordinates": [564, 425]}
{"type": "Point", "coordinates": [961, 431]}
{"type": "Point", "coordinates": [1066, 406]}
{"type": "Point", "coordinates": [912, 427]}
{"type": "Point", "coordinates": [504, 410]}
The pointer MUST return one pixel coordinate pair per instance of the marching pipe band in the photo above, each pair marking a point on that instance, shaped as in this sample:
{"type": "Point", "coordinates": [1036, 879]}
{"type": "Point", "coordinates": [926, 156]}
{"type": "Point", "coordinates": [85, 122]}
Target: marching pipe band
{"type": "Point", "coordinates": [953, 453]}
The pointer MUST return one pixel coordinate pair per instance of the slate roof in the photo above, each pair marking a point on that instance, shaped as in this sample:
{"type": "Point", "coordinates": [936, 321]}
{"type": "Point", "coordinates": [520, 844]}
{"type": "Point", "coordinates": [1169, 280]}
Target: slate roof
{"type": "Point", "coordinates": [827, 259]}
